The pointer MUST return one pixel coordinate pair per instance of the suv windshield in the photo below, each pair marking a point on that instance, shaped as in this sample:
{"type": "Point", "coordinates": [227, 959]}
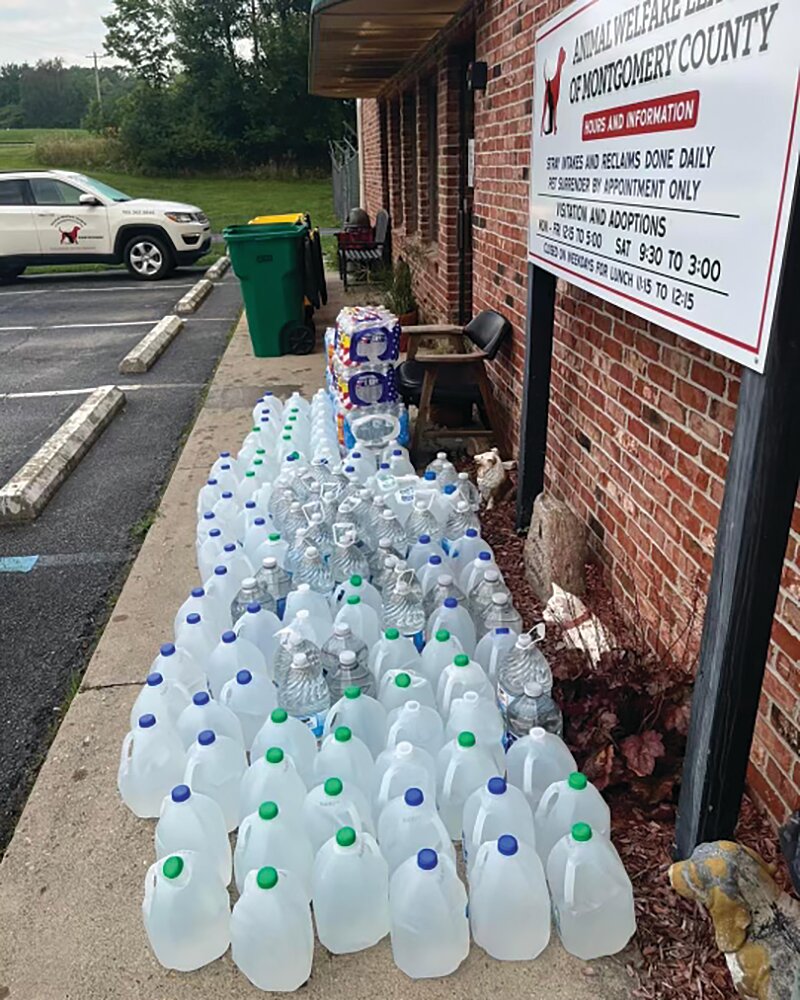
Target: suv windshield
{"type": "Point", "coordinates": [104, 189]}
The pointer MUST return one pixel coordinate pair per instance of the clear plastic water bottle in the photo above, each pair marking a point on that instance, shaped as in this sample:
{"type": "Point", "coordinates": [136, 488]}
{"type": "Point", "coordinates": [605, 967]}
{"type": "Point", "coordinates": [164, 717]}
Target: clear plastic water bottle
{"type": "Point", "coordinates": [491, 809]}
{"type": "Point", "coordinates": [458, 521]}
{"type": "Point", "coordinates": [531, 709]}
{"type": "Point", "coordinates": [444, 469]}
{"type": "Point", "coordinates": [467, 490]}
{"type": "Point", "coordinates": [273, 580]}
{"type": "Point", "coordinates": [304, 693]}
{"type": "Point", "coordinates": [444, 587]}
{"type": "Point", "coordinates": [205, 713]}
{"type": "Point", "coordinates": [351, 670]}
{"type": "Point", "coordinates": [537, 760]}
{"type": "Point", "coordinates": [342, 639]}
{"type": "Point", "coordinates": [214, 767]}
{"type": "Point", "coordinates": [486, 587]}
{"type": "Point", "coordinates": [291, 643]}
{"type": "Point", "coordinates": [363, 715]}
{"type": "Point", "coordinates": [417, 724]}
{"type": "Point", "coordinates": [151, 764]}
{"type": "Point", "coordinates": [473, 572]}
{"type": "Point", "coordinates": [320, 536]}
{"type": "Point", "coordinates": [350, 890]}
{"type": "Point", "coordinates": [571, 800]}
{"type": "Point", "coordinates": [383, 575]}
{"type": "Point", "coordinates": [501, 613]}
{"type": "Point", "coordinates": [524, 663]}
{"type": "Point", "coordinates": [272, 834]}
{"type": "Point", "coordinates": [398, 768]}
{"type": "Point", "coordinates": [330, 806]}
{"type": "Point", "coordinates": [592, 894]}
{"type": "Point", "coordinates": [408, 823]}
{"type": "Point", "coordinates": [461, 767]}
{"type": "Point", "coordinates": [163, 699]}
{"type": "Point", "coordinates": [313, 570]}
{"type": "Point", "coordinates": [347, 559]}
{"type": "Point", "coordinates": [186, 911]}
{"type": "Point", "coordinates": [272, 777]}
{"type": "Point", "coordinates": [189, 821]}
{"type": "Point", "coordinates": [273, 906]}
{"type": "Point", "coordinates": [428, 913]}
{"type": "Point", "coordinates": [250, 593]}
{"type": "Point", "coordinates": [404, 612]}
{"type": "Point", "coordinates": [391, 528]}
{"type": "Point", "coordinates": [251, 697]}
{"type": "Point", "coordinates": [293, 737]}
{"type": "Point", "coordinates": [422, 521]}
{"type": "Point", "coordinates": [294, 556]}
{"type": "Point", "coordinates": [509, 904]}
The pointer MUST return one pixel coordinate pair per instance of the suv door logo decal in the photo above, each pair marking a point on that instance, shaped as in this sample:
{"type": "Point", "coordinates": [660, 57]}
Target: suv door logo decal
{"type": "Point", "coordinates": [69, 228]}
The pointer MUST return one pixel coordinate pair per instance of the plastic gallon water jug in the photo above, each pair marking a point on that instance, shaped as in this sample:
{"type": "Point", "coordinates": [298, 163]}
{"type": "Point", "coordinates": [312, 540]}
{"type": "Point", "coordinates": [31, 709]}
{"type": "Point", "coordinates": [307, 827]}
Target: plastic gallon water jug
{"type": "Point", "coordinates": [274, 778]}
{"type": "Point", "coordinates": [293, 737]}
{"type": "Point", "coordinates": [332, 805]}
{"type": "Point", "coordinates": [163, 699]}
{"type": "Point", "coordinates": [306, 599]}
{"type": "Point", "coordinates": [461, 767]}
{"type": "Point", "coordinates": [361, 618]}
{"type": "Point", "coordinates": [534, 762]}
{"type": "Point", "coordinates": [523, 664]}
{"type": "Point", "coordinates": [440, 650]}
{"type": "Point", "coordinates": [197, 636]}
{"type": "Point", "coordinates": [177, 665]}
{"type": "Point", "coordinates": [305, 694]}
{"type": "Point", "coordinates": [474, 571]}
{"type": "Point", "coordinates": [477, 715]}
{"type": "Point", "coordinates": [463, 550]}
{"type": "Point", "coordinates": [492, 650]}
{"type": "Point", "coordinates": [251, 697]}
{"type": "Point", "coordinates": [186, 911]}
{"type": "Point", "coordinates": [205, 713]}
{"type": "Point", "coordinates": [407, 824]}
{"type": "Point", "coordinates": [198, 602]}
{"type": "Point", "coordinates": [418, 724]}
{"type": "Point", "coordinates": [592, 894]}
{"type": "Point", "coordinates": [271, 834]}
{"type": "Point", "coordinates": [492, 810]}
{"type": "Point", "coordinates": [533, 708]}
{"type": "Point", "coordinates": [454, 618]}
{"type": "Point", "coordinates": [399, 686]}
{"type": "Point", "coordinates": [393, 652]}
{"type": "Point", "coordinates": [350, 890]}
{"type": "Point", "coordinates": [423, 548]}
{"type": "Point", "coordinates": [151, 763]}
{"type": "Point", "coordinates": [347, 757]}
{"type": "Point", "coordinates": [428, 916]}
{"type": "Point", "coordinates": [564, 803]}
{"type": "Point", "coordinates": [231, 655]}
{"type": "Point", "coordinates": [190, 821]}
{"type": "Point", "coordinates": [359, 586]}
{"type": "Point", "coordinates": [272, 935]}
{"type": "Point", "coordinates": [258, 625]}
{"type": "Point", "coordinates": [458, 677]}
{"type": "Point", "coordinates": [509, 905]}
{"type": "Point", "coordinates": [214, 767]}
{"type": "Point", "coordinates": [399, 768]}
{"type": "Point", "coordinates": [363, 715]}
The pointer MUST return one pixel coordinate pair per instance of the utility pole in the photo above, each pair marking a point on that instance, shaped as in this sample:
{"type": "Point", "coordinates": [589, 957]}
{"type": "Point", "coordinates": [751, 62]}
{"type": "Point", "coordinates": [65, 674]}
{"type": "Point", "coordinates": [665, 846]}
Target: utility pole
{"type": "Point", "coordinates": [95, 57]}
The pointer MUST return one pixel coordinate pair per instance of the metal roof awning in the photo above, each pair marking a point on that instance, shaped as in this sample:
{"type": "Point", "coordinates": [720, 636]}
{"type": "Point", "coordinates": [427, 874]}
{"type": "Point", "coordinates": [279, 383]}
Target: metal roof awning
{"type": "Point", "coordinates": [357, 45]}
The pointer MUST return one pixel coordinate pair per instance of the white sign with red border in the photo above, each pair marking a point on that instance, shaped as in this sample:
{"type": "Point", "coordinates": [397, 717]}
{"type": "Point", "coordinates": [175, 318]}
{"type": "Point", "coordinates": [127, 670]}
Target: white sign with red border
{"type": "Point", "coordinates": [665, 151]}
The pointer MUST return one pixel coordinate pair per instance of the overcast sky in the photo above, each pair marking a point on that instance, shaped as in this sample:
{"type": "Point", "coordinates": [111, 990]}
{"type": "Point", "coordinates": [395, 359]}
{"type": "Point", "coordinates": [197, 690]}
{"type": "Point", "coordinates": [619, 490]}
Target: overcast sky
{"type": "Point", "coordinates": [44, 29]}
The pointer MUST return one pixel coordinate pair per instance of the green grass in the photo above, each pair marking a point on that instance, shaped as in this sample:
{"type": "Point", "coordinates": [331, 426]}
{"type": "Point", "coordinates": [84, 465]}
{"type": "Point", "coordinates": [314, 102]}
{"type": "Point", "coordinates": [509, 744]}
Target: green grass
{"type": "Point", "coordinates": [37, 134]}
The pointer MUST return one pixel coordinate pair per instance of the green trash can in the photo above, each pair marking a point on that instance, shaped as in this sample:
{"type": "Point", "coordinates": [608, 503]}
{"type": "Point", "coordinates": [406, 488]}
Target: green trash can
{"type": "Point", "coordinates": [269, 262]}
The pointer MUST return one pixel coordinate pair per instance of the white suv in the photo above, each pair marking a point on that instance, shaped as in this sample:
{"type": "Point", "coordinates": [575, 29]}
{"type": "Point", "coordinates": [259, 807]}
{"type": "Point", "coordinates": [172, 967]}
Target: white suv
{"type": "Point", "coordinates": [58, 217]}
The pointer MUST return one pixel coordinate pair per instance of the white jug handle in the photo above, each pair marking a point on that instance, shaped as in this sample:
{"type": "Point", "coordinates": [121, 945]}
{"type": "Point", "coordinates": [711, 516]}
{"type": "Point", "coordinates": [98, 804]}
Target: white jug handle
{"type": "Point", "coordinates": [547, 802]}
{"type": "Point", "coordinates": [390, 734]}
{"type": "Point", "coordinates": [243, 838]}
{"type": "Point", "coordinates": [480, 822]}
{"type": "Point", "coordinates": [538, 632]}
{"type": "Point", "coordinates": [225, 696]}
{"type": "Point", "coordinates": [449, 776]}
{"type": "Point", "coordinates": [569, 880]}
{"type": "Point", "coordinates": [125, 753]}
{"type": "Point", "coordinates": [448, 687]}
{"type": "Point", "coordinates": [385, 782]}
{"type": "Point", "coordinates": [189, 774]}
{"type": "Point", "coordinates": [149, 891]}
{"type": "Point", "coordinates": [527, 773]}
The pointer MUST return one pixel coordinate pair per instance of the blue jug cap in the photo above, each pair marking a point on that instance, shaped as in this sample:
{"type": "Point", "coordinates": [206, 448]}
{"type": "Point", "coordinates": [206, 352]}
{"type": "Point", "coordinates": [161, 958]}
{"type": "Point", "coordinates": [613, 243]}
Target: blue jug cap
{"type": "Point", "coordinates": [349, 468]}
{"type": "Point", "coordinates": [450, 602]}
{"type": "Point", "coordinates": [154, 679]}
{"type": "Point", "coordinates": [471, 532]}
{"type": "Point", "coordinates": [435, 560]}
{"type": "Point", "coordinates": [260, 520]}
{"type": "Point", "coordinates": [507, 845]}
{"type": "Point", "coordinates": [384, 465]}
{"type": "Point", "coordinates": [230, 547]}
{"type": "Point", "coordinates": [193, 618]}
{"type": "Point", "coordinates": [502, 630]}
{"type": "Point", "coordinates": [486, 556]}
{"type": "Point", "coordinates": [430, 476]}
{"type": "Point", "coordinates": [254, 607]}
{"type": "Point", "coordinates": [229, 636]}
{"type": "Point", "coordinates": [251, 505]}
{"type": "Point", "coordinates": [167, 649]}
{"type": "Point", "coordinates": [180, 793]}
{"type": "Point", "coordinates": [225, 467]}
{"type": "Point", "coordinates": [356, 454]}
{"type": "Point", "coordinates": [206, 738]}
{"type": "Point", "coordinates": [147, 721]}
{"type": "Point", "coordinates": [198, 592]}
{"type": "Point", "coordinates": [427, 859]}
{"type": "Point", "coordinates": [414, 797]}
{"type": "Point", "coordinates": [209, 515]}
{"type": "Point", "coordinates": [201, 698]}
{"type": "Point", "coordinates": [214, 533]}
{"type": "Point", "coordinates": [220, 570]}
{"type": "Point", "coordinates": [396, 451]}
{"type": "Point", "coordinates": [224, 454]}
{"type": "Point", "coordinates": [243, 677]}
{"type": "Point", "coordinates": [497, 786]}
{"type": "Point", "coordinates": [424, 539]}
{"type": "Point", "coordinates": [227, 494]}
{"type": "Point", "coordinates": [449, 489]}
{"type": "Point", "coordinates": [211, 482]}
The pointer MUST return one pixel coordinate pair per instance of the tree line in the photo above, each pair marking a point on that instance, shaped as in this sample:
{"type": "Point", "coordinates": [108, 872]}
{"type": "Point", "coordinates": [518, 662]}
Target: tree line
{"type": "Point", "coordinates": [52, 95]}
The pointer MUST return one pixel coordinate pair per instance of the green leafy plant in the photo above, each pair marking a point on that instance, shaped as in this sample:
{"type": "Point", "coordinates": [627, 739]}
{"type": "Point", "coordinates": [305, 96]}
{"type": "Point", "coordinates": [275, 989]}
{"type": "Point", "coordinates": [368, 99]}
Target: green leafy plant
{"type": "Point", "coordinates": [399, 293]}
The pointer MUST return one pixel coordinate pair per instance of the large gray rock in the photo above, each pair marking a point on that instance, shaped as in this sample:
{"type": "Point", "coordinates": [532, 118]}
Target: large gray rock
{"type": "Point", "coordinates": [555, 549]}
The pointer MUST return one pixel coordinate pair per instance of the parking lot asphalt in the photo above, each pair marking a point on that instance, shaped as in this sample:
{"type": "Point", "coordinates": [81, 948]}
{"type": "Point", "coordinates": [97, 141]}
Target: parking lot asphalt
{"type": "Point", "coordinates": [61, 336]}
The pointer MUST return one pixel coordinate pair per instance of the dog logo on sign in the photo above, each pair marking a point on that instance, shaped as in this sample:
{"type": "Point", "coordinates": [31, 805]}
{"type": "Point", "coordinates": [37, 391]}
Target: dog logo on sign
{"type": "Point", "coordinates": [70, 236]}
{"type": "Point", "coordinates": [552, 93]}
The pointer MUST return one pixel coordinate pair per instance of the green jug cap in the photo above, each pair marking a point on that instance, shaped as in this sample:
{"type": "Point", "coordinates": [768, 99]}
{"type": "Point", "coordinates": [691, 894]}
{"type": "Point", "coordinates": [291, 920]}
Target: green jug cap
{"type": "Point", "coordinates": [581, 832]}
{"type": "Point", "coordinates": [442, 635]}
{"type": "Point", "coordinates": [268, 810]}
{"type": "Point", "coordinates": [274, 536]}
{"type": "Point", "coordinates": [402, 681]}
{"type": "Point", "coordinates": [462, 660]}
{"type": "Point", "coordinates": [346, 837]}
{"type": "Point", "coordinates": [274, 755]}
{"type": "Point", "coordinates": [392, 633]}
{"type": "Point", "coordinates": [267, 878]}
{"type": "Point", "coordinates": [356, 580]}
{"type": "Point", "coordinates": [354, 599]}
{"type": "Point", "coordinates": [294, 455]}
{"type": "Point", "coordinates": [577, 781]}
{"type": "Point", "coordinates": [286, 437]}
{"type": "Point", "coordinates": [343, 734]}
{"type": "Point", "coordinates": [466, 739]}
{"type": "Point", "coordinates": [258, 461]}
{"type": "Point", "coordinates": [172, 867]}
{"type": "Point", "coordinates": [249, 474]}
{"type": "Point", "coordinates": [279, 715]}
{"type": "Point", "coordinates": [333, 786]}
{"type": "Point", "coordinates": [261, 451]}
{"type": "Point", "coordinates": [352, 692]}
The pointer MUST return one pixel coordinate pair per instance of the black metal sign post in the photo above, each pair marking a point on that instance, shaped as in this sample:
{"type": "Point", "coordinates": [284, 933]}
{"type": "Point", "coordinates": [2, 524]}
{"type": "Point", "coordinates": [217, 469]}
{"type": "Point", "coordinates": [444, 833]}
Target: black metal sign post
{"type": "Point", "coordinates": [753, 530]}
{"type": "Point", "coordinates": [536, 390]}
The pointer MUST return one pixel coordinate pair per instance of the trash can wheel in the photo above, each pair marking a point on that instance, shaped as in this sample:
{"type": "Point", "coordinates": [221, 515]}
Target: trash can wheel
{"type": "Point", "coordinates": [301, 338]}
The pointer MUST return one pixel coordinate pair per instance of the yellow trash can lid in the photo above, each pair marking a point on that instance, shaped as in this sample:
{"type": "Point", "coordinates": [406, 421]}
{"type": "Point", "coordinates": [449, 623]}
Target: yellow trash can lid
{"type": "Point", "coordinates": [267, 220]}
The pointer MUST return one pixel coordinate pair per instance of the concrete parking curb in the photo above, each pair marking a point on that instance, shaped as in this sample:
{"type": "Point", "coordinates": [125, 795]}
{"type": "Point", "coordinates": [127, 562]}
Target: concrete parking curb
{"type": "Point", "coordinates": [218, 269]}
{"type": "Point", "coordinates": [192, 299]}
{"type": "Point", "coordinates": [25, 494]}
{"type": "Point", "coordinates": [151, 346]}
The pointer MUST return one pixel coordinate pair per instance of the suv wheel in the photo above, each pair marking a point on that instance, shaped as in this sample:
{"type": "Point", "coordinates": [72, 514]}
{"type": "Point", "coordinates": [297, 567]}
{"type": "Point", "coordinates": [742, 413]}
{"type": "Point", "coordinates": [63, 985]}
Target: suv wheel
{"type": "Point", "coordinates": [9, 274]}
{"type": "Point", "coordinates": [148, 258]}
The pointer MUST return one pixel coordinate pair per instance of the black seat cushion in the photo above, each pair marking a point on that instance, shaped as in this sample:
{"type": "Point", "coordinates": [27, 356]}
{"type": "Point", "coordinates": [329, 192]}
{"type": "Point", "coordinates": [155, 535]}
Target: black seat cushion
{"type": "Point", "coordinates": [487, 331]}
{"type": "Point", "coordinates": [450, 385]}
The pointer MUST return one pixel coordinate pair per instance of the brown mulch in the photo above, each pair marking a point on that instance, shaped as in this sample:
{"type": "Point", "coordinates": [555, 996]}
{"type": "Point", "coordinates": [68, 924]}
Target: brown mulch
{"type": "Point", "coordinates": [677, 956]}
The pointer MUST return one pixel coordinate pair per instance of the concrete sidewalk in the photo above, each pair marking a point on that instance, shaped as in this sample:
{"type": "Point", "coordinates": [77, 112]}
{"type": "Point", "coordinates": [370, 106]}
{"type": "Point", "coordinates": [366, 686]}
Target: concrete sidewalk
{"type": "Point", "coordinates": [71, 881]}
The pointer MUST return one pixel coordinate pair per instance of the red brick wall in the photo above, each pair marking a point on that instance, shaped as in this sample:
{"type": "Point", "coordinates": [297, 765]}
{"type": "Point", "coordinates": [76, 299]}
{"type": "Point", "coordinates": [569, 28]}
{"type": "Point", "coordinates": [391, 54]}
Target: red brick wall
{"type": "Point", "coordinates": [640, 421]}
